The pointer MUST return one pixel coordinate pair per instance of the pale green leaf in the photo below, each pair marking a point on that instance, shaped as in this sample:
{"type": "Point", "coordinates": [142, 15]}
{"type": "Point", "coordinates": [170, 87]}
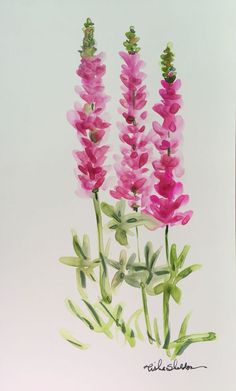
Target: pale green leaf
{"type": "Point", "coordinates": [148, 252]}
{"type": "Point", "coordinates": [117, 279]}
{"type": "Point", "coordinates": [159, 289]}
{"type": "Point", "coordinates": [154, 257]}
{"type": "Point", "coordinates": [107, 209]}
{"type": "Point", "coordinates": [173, 257]}
{"type": "Point", "coordinates": [182, 256]}
{"type": "Point", "coordinates": [77, 247]}
{"type": "Point", "coordinates": [176, 294]}
{"type": "Point", "coordinates": [86, 246]}
{"type": "Point", "coordinates": [70, 261]}
{"type": "Point", "coordinates": [121, 237]}
{"type": "Point", "coordinates": [65, 334]}
{"type": "Point", "coordinates": [184, 273]}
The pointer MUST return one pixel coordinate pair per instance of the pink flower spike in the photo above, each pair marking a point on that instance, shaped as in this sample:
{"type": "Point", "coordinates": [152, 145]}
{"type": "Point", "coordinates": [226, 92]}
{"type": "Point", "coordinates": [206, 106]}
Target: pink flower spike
{"type": "Point", "coordinates": [87, 119]}
{"type": "Point", "coordinates": [131, 165]}
{"type": "Point", "coordinates": [167, 137]}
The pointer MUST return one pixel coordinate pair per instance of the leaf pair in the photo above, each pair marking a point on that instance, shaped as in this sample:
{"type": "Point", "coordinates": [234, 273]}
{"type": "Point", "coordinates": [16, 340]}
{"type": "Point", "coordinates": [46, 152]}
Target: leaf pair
{"type": "Point", "coordinates": [123, 223]}
{"type": "Point", "coordinates": [184, 340]}
{"type": "Point", "coordinates": [83, 263]}
{"type": "Point", "coordinates": [96, 323]}
{"type": "Point", "coordinates": [146, 272]}
{"type": "Point", "coordinates": [172, 290]}
{"type": "Point", "coordinates": [122, 266]}
{"type": "Point", "coordinates": [176, 263]}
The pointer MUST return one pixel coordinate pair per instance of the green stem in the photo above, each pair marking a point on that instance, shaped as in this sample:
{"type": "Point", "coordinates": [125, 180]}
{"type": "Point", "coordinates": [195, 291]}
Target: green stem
{"type": "Point", "coordinates": [166, 298]}
{"type": "Point", "coordinates": [98, 214]}
{"type": "Point", "coordinates": [138, 250]}
{"type": "Point", "coordinates": [146, 314]}
{"type": "Point", "coordinates": [103, 277]}
{"type": "Point", "coordinates": [167, 243]}
{"type": "Point", "coordinates": [135, 208]}
{"type": "Point", "coordinates": [166, 326]}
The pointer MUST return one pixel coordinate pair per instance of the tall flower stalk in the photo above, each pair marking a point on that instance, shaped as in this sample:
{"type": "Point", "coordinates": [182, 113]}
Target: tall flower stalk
{"type": "Point", "coordinates": [165, 205]}
{"type": "Point", "coordinates": [87, 119]}
{"type": "Point", "coordinates": [131, 166]}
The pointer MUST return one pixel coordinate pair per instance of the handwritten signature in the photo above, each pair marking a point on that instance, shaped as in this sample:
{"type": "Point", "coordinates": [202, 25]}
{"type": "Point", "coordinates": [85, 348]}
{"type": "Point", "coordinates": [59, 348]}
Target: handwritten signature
{"type": "Point", "coordinates": [174, 366]}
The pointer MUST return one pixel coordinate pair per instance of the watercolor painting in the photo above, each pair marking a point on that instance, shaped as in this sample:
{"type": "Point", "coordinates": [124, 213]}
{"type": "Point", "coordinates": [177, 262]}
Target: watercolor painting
{"type": "Point", "coordinates": [147, 193]}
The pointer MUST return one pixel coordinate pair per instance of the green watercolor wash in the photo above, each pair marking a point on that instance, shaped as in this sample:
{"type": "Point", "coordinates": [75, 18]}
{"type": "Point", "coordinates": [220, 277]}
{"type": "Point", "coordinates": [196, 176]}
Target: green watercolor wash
{"type": "Point", "coordinates": [167, 67]}
{"type": "Point", "coordinates": [131, 43]}
{"type": "Point", "coordinates": [88, 46]}
{"type": "Point", "coordinates": [73, 341]}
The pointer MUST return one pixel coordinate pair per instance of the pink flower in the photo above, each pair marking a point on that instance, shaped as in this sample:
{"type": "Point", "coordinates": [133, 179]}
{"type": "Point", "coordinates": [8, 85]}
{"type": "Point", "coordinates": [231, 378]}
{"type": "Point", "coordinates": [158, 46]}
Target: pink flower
{"type": "Point", "coordinates": [131, 165]}
{"type": "Point", "coordinates": [166, 138]}
{"type": "Point", "coordinates": [87, 120]}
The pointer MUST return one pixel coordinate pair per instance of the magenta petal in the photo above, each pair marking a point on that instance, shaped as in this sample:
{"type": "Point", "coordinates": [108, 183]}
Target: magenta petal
{"type": "Point", "coordinates": [187, 217]}
{"type": "Point", "coordinates": [143, 159]}
{"type": "Point", "coordinates": [172, 127]}
{"type": "Point", "coordinates": [174, 108]}
{"type": "Point", "coordinates": [139, 183]}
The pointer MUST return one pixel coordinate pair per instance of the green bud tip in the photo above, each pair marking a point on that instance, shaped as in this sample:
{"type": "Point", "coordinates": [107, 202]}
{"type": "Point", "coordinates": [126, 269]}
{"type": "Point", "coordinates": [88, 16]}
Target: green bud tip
{"type": "Point", "coordinates": [88, 46]}
{"type": "Point", "coordinates": [167, 59]}
{"type": "Point", "coordinates": [131, 42]}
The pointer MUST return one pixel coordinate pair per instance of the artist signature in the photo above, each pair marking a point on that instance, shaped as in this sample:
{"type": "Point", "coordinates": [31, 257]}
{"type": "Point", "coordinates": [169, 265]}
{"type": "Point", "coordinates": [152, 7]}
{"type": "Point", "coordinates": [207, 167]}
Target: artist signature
{"type": "Point", "coordinates": [174, 366]}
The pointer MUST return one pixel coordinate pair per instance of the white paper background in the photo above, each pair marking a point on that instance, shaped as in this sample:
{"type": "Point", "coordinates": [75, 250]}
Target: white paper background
{"type": "Point", "coordinates": [38, 206]}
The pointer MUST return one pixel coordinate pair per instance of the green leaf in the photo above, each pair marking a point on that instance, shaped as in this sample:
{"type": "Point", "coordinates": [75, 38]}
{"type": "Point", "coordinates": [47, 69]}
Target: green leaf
{"type": "Point", "coordinates": [161, 270]}
{"type": "Point", "coordinates": [114, 264]}
{"type": "Point", "coordinates": [72, 340]}
{"type": "Point", "coordinates": [93, 312]}
{"type": "Point", "coordinates": [119, 312]}
{"type": "Point", "coordinates": [210, 336]}
{"type": "Point", "coordinates": [86, 246]}
{"type": "Point", "coordinates": [80, 284]}
{"type": "Point", "coordinates": [70, 261]}
{"type": "Point", "coordinates": [184, 325]}
{"type": "Point", "coordinates": [77, 247]}
{"type": "Point", "coordinates": [176, 294]}
{"type": "Point", "coordinates": [129, 336]}
{"type": "Point", "coordinates": [108, 210]}
{"type": "Point", "coordinates": [131, 261]}
{"type": "Point", "coordinates": [139, 266]}
{"type": "Point", "coordinates": [154, 257]}
{"type": "Point", "coordinates": [173, 257]}
{"type": "Point", "coordinates": [121, 237]}
{"type": "Point", "coordinates": [156, 332]}
{"type": "Point", "coordinates": [103, 262]}
{"type": "Point", "coordinates": [184, 273]}
{"type": "Point", "coordinates": [148, 252]}
{"type": "Point", "coordinates": [107, 248]}
{"type": "Point", "coordinates": [135, 316]}
{"type": "Point", "coordinates": [82, 278]}
{"type": "Point", "coordinates": [181, 344]}
{"type": "Point", "coordinates": [159, 288]}
{"type": "Point", "coordinates": [150, 276]}
{"type": "Point", "coordinates": [182, 256]}
{"type": "Point", "coordinates": [106, 289]}
{"type": "Point", "coordinates": [131, 220]}
{"type": "Point", "coordinates": [130, 280]}
{"type": "Point", "coordinates": [120, 208]}
{"type": "Point", "coordinates": [117, 279]}
{"type": "Point", "coordinates": [113, 226]}
{"type": "Point", "coordinates": [149, 222]}
{"type": "Point", "coordinates": [123, 259]}
{"type": "Point", "coordinates": [77, 312]}
{"type": "Point", "coordinates": [141, 219]}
